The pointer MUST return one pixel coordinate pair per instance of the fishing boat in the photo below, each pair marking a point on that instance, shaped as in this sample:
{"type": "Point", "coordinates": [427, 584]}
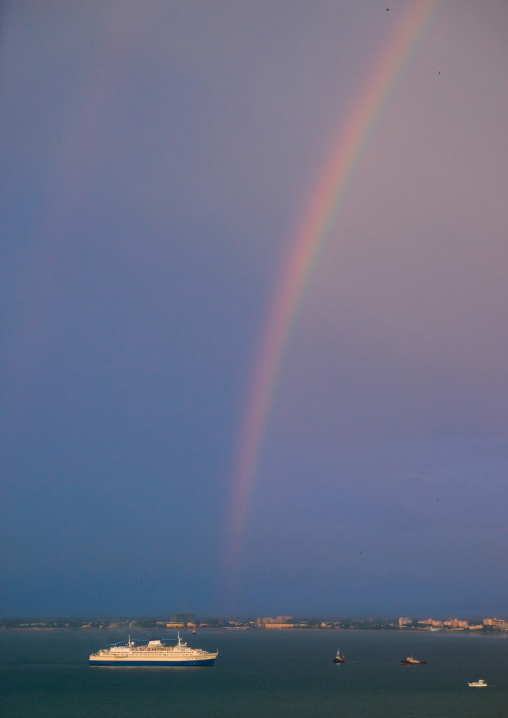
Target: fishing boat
{"type": "Point", "coordinates": [339, 657]}
{"type": "Point", "coordinates": [410, 661]}
{"type": "Point", "coordinates": [478, 684]}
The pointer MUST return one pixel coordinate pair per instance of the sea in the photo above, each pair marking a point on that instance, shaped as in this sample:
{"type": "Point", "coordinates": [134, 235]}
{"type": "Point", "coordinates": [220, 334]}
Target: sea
{"type": "Point", "coordinates": [258, 673]}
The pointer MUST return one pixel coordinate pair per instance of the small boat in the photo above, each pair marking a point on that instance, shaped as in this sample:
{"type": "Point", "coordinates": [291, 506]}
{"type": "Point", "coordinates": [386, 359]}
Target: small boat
{"type": "Point", "coordinates": [410, 661]}
{"type": "Point", "coordinates": [339, 658]}
{"type": "Point", "coordinates": [478, 684]}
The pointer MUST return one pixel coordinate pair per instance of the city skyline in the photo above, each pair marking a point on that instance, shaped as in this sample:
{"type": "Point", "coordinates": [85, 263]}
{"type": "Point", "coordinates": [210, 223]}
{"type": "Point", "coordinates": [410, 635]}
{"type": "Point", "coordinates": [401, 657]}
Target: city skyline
{"type": "Point", "coordinates": [190, 621]}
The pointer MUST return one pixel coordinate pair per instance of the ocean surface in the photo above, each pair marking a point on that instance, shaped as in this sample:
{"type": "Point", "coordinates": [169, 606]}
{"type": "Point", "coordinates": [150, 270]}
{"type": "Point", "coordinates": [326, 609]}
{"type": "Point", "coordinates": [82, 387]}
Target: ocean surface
{"type": "Point", "coordinates": [258, 673]}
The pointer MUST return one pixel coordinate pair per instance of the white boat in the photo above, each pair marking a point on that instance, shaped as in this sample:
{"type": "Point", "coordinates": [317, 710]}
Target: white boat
{"type": "Point", "coordinates": [478, 684]}
{"type": "Point", "coordinates": [154, 653]}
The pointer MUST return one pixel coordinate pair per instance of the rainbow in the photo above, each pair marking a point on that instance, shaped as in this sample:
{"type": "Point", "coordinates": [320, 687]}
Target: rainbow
{"type": "Point", "coordinates": [314, 229]}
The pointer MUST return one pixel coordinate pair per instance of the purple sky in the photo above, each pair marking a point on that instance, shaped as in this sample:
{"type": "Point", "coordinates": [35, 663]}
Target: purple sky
{"type": "Point", "coordinates": [156, 159]}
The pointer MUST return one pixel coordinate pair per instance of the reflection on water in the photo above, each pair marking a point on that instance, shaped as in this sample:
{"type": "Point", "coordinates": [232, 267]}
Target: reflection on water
{"type": "Point", "coordinates": [259, 673]}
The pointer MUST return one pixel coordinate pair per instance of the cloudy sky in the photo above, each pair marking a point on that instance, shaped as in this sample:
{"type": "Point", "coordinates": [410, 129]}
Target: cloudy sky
{"type": "Point", "coordinates": [157, 161]}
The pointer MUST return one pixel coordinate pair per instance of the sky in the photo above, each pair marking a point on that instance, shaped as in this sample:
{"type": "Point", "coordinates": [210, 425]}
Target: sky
{"type": "Point", "coordinates": [158, 164]}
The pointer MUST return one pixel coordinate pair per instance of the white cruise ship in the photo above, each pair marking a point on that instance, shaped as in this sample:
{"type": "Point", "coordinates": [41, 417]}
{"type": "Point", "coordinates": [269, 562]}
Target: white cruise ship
{"type": "Point", "coordinates": [154, 653]}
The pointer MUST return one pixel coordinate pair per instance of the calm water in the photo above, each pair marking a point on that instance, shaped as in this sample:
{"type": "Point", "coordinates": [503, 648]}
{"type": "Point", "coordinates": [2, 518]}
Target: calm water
{"type": "Point", "coordinates": [258, 674]}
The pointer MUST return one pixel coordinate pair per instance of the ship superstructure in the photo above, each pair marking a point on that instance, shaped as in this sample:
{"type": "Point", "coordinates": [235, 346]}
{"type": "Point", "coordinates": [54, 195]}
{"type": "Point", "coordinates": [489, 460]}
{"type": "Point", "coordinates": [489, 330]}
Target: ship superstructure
{"type": "Point", "coordinates": [153, 653]}
{"type": "Point", "coordinates": [478, 684]}
{"type": "Point", "coordinates": [339, 657]}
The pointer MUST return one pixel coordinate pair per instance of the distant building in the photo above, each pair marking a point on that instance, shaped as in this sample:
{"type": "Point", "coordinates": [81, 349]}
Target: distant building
{"type": "Point", "coordinates": [498, 623]}
{"type": "Point", "coordinates": [182, 618]}
{"type": "Point", "coordinates": [266, 621]}
{"type": "Point", "coordinates": [455, 623]}
{"type": "Point", "coordinates": [405, 621]}
{"type": "Point", "coordinates": [431, 622]}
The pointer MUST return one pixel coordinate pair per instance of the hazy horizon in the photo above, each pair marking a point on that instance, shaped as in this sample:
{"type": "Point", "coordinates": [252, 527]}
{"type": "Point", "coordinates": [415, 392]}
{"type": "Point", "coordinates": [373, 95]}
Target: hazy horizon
{"type": "Point", "coordinates": [365, 617]}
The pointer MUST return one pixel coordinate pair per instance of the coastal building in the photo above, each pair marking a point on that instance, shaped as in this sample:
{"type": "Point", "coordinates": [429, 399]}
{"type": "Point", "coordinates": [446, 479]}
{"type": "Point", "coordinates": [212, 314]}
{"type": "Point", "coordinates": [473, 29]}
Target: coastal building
{"type": "Point", "coordinates": [405, 621]}
{"type": "Point", "coordinates": [499, 623]}
{"type": "Point", "coordinates": [182, 618]}
{"type": "Point", "coordinates": [267, 621]}
{"type": "Point", "coordinates": [431, 622]}
{"type": "Point", "coordinates": [455, 623]}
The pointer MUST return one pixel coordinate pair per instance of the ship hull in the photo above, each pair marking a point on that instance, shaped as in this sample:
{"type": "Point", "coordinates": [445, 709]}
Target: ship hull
{"type": "Point", "coordinates": [127, 662]}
